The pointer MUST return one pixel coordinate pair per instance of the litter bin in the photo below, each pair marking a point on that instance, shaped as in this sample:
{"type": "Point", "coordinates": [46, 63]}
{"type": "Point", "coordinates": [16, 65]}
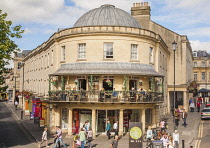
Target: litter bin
{"type": "Point", "coordinates": [36, 120]}
{"type": "Point", "coordinates": [157, 144]}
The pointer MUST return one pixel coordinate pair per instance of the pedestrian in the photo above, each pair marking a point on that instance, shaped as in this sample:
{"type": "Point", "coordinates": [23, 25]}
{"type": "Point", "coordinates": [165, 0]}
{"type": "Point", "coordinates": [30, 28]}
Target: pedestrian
{"type": "Point", "coordinates": [206, 99]}
{"type": "Point", "coordinates": [59, 137]}
{"type": "Point", "coordinates": [108, 129]}
{"type": "Point", "coordinates": [114, 143]}
{"type": "Point", "coordinates": [184, 117]}
{"type": "Point", "coordinates": [16, 104]}
{"type": "Point", "coordinates": [170, 142]}
{"type": "Point", "coordinates": [165, 141]}
{"type": "Point", "coordinates": [190, 101]}
{"type": "Point", "coordinates": [176, 118]}
{"type": "Point", "coordinates": [82, 137]}
{"type": "Point", "coordinates": [176, 139]}
{"type": "Point", "coordinates": [44, 138]}
{"type": "Point", "coordinates": [87, 125]}
{"type": "Point", "coordinates": [192, 106]}
{"type": "Point", "coordinates": [198, 104]}
{"type": "Point", "coordinates": [90, 137]}
{"type": "Point", "coordinates": [149, 133]}
{"type": "Point", "coordinates": [162, 126]}
{"type": "Point", "coordinates": [115, 127]}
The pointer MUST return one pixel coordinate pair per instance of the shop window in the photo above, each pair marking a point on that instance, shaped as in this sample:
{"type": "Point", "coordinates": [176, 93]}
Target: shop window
{"type": "Point", "coordinates": [108, 82]}
{"type": "Point", "coordinates": [108, 50]}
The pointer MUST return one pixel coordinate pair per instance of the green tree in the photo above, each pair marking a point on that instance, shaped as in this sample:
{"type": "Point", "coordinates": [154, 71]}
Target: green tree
{"type": "Point", "coordinates": [7, 45]}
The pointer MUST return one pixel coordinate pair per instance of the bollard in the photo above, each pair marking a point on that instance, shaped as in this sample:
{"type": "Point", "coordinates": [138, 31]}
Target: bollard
{"type": "Point", "coordinates": [182, 143]}
{"type": "Point", "coordinates": [21, 115]}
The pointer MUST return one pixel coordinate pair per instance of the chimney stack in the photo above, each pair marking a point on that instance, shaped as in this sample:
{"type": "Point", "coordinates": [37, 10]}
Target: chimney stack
{"type": "Point", "coordinates": [141, 12]}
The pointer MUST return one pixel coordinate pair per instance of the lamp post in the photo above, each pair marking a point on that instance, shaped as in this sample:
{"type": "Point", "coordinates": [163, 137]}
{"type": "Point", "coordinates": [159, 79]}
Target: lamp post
{"type": "Point", "coordinates": [174, 49]}
{"type": "Point", "coordinates": [206, 94]}
{"type": "Point", "coordinates": [22, 83]}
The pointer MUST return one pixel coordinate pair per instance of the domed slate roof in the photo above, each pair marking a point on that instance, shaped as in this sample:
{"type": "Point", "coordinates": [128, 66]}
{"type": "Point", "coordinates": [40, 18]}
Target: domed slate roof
{"type": "Point", "coordinates": [107, 15]}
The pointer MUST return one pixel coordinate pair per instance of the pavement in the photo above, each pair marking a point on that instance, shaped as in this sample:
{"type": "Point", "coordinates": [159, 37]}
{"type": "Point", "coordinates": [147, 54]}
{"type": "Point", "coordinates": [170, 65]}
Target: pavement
{"type": "Point", "coordinates": [188, 133]}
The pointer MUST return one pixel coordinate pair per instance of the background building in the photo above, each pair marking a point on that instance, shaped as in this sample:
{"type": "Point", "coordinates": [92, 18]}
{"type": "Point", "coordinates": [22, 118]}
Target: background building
{"type": "Point", "coordinates": [201, 71]}
{"type": "Point", "coordinates": [108, 66]}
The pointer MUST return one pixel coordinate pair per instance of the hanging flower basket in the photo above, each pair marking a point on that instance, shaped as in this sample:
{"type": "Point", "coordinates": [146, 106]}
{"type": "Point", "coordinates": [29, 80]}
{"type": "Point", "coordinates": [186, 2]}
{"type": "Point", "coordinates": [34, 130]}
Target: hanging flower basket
{"type": "Point", "coordinates": [109, 82]}
{"type": "Point", "coordinates": [76, 81]}
{"type": "Point", "coordinates": [140, 82]}
{"type": "Point", "coordinates": [54, 82]}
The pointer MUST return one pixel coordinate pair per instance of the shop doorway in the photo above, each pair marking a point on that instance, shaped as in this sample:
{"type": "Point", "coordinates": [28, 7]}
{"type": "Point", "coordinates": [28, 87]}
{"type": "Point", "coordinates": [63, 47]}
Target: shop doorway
{"type": "Point", "coordinates": [132, 83]}
{"type": "Point", "coordinates": [103, 116]}
{"type": "Point", "coordinates": [82, 84]}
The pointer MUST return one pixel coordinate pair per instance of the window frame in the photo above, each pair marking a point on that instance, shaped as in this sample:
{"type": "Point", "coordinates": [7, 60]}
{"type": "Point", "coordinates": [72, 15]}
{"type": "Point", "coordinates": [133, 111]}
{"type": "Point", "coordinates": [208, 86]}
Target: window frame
{"type": "Point", "coordinates": [134, 52]}
{"type": "Point", "coordinates": [81, 51]}
{"type": "Point", "coordinates": [109, 50]}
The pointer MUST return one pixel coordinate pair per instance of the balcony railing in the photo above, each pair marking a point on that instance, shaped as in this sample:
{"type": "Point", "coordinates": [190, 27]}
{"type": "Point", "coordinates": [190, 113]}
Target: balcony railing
{"type": "Point", "coordinates": [106, 96]}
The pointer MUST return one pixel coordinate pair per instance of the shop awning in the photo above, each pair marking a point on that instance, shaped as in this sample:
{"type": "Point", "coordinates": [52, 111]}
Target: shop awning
{"type": "Point", "coordinates": [106, 68]}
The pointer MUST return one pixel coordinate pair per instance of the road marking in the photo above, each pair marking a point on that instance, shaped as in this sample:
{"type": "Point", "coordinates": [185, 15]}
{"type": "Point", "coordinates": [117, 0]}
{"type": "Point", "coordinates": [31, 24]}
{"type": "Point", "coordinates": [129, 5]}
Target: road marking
{"type": "Point", "coordinates": [197, 144]}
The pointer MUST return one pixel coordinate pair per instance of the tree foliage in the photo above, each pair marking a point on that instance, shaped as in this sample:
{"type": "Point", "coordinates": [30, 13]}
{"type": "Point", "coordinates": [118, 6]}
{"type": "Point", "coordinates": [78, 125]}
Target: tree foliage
{"type": "Point", "coordinates": [7, 45]}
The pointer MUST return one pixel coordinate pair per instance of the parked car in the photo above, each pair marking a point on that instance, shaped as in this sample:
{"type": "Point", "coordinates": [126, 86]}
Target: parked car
{"type": "Point", "coordinates": [208, 105]}
{"type": "Point", "coordinates": [205, 114]}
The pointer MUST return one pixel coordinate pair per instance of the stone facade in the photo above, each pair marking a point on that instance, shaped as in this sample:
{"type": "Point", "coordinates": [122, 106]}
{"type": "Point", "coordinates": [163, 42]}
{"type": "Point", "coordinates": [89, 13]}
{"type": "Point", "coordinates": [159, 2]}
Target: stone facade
{"type": "Point", "coordinates": [150, 45]}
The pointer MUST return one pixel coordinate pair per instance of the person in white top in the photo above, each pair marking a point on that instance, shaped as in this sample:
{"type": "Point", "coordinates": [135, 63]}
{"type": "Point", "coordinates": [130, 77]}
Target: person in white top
{"type": "Point", "coordinates": [176, 139]}
{"type": "Point", "coordinates": [115, 127]}
{"type": "Point", "coordinates": [165, 141]}
{"type": "Point", "coordinates": [44, 138]}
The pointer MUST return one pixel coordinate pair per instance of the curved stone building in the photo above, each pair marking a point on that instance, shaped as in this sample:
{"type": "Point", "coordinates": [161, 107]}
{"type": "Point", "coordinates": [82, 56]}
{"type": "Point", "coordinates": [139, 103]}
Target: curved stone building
{"type": "Point", "coordinates": [108, 66]}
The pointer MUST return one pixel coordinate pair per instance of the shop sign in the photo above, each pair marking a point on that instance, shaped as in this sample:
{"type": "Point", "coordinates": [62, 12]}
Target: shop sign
{"type": "Point", "coordinates": [85, 112]}
{"type": "Point", "coordinates": [41, 123]}
{"type": "Point", "coordinates": [135, 137]}
{"type": "Point", "coordinates": [27, 113]}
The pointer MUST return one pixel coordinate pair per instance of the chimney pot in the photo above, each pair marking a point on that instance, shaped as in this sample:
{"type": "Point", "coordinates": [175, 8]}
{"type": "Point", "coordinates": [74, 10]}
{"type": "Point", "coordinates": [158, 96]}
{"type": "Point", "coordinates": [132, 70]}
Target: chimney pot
{"type": "Point", "coordinates": [142, 4]}
{"type": "Point", "coordinates": [146, 4]}
{"type": "Point", "coordinates": [137, 4]}
{"type": "Point", "coordinates": [134, 4]}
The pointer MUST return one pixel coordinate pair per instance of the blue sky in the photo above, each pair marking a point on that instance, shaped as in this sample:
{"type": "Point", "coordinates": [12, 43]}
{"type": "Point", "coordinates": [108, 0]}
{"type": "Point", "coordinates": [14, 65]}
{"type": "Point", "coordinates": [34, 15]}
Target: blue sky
{"type": "Point", "coordinates": [41, 18]}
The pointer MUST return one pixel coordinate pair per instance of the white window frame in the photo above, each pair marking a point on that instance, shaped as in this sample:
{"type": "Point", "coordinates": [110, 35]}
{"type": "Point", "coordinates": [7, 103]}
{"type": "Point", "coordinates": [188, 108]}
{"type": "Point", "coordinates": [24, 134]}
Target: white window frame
{"type": "Point", "coordinates": [203, 64]}
{"type": "Point", "coordinates": [195, 75]}
{"type": "Point", "coordinates": [108, 50]}
{"type": "Point", "coordinates": [134, 52]}
{"type": "Point", "coordinates": [195, 64]}
{"type": "Point", "coordinates": [82, 51]}
{"type": "Point", "coordinates": [203, 76]}
{"type": "Point", "coordinates": [63, 53]}
{"type": "Point", "coordinates": [52, 56]}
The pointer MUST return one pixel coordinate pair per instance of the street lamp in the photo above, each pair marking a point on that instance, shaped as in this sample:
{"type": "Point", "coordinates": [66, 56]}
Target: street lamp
{"type": "Point", "coordinates": [174, 49]}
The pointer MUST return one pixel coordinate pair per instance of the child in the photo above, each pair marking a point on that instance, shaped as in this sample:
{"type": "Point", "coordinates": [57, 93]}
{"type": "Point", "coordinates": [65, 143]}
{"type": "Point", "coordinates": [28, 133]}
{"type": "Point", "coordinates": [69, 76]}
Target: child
{"type": "Point", "coordinates": [44, 138]}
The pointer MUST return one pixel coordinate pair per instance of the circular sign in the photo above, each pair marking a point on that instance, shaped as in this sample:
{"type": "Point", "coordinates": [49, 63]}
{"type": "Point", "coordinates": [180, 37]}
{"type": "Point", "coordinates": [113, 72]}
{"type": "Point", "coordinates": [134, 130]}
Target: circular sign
{"type": "Point", "coordinates": [135, 132]}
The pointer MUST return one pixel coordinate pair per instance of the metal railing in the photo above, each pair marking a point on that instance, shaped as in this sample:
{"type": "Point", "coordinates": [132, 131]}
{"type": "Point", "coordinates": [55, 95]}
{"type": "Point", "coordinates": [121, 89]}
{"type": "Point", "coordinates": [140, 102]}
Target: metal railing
{"type": "Point", "coordinates": [106, 96]}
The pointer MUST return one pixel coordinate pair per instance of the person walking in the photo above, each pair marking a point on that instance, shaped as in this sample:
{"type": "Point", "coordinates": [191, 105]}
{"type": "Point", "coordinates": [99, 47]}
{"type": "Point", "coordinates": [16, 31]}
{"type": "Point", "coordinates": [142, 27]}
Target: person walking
{"type": "Point", "coordinates": [108, 129]}
{"type": "Point", "coordinates": [82, 137]}
{"type": "Point", "coordinates": [16, 104]}
{"type": "Point", "coordinates": [176, 118]}
{"type": "Point", "coordinates": [114, 143]}
{"type": "Point", "coordinates": [184, 117]}
{"type": "Point", "coordinates": [149, 133]}
{"type": "Point", "coordinates": [165, 141]}
{"type": "Point", "coordinates": [44, 138]}
{"type": "Point", "coordinates": [176, 139]}
{"type": "Point", "coordinates": [162, 126]}
{"type": "Point", "coordinates": [192, 106]}
{"type": "Point", "coordinates": [90, 137]}
{"type": "Point", "coordinates": [115, 127]}
{"type": "Point", "coordinates": [198, 104]}
{"type": "Point", "coordinates": [59, 137]}
{"type": "Point", "coordinates": [171, 142]}
{"type": "Point", "coordinates": [206, 99]}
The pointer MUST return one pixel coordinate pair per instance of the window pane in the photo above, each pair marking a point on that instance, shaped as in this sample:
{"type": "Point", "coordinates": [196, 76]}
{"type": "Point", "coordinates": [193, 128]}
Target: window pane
{"type": "Point", "coordinates": [108, 50]}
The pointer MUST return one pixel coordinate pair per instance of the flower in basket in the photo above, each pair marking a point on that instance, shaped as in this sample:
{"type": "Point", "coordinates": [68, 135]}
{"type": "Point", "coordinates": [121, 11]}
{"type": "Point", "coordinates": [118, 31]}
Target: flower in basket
{"type": "Point", "coordinates": [54, 82]}
{"type": "Point", "coordinates": [76, 81]}
{"type": "Point", "coordinates": [109, 82]}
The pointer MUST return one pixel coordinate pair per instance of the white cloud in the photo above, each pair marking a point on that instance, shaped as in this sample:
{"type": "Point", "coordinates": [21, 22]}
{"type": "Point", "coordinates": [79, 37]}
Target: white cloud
{"type": "Point", "coordinates": [27, 31]}
{"type": "Point", "coordinates": [198, 45]}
